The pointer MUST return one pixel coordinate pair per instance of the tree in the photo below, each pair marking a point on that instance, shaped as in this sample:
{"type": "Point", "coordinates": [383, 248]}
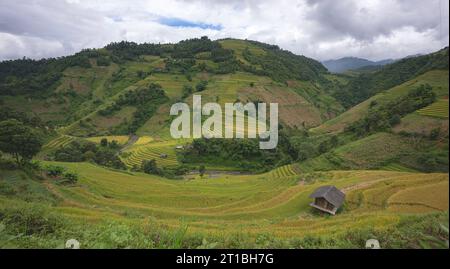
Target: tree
{"type": "Point", "coordinates": [305, 151]}
{"type": "Point", "coordinates": [395, 119]}
{"type": "Point", "coordinates": [89, 155]}
{"type": "Point", "coordinates": [19, 141]}
{"type": "Point", "coordinates": [324, 147]}
{"type": "Point", "coordinates": [334, 141]}
{"type": "Point", "coordinates": [114, 144]}
{"type": "Point", "coordinates": [201, 86]}
{"type": "Point", "coordinates": [201, 170]}
{"type": "Point", "coordinates": [150, 167]}
{"type": "Point", "coordinates": [104, 142]}
{"type": "Point", "coordinates": [187, 90]}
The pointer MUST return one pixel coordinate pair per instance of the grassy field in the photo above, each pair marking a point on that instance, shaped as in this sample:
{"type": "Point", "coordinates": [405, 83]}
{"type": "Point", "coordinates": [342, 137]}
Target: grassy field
{"type": "Point", "coordinates": [275, 202]}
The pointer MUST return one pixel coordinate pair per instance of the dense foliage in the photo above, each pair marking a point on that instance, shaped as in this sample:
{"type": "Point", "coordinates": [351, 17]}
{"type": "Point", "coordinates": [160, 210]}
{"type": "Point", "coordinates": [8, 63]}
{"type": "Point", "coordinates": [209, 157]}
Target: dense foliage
{"type": "Point", "coordinates": [81, 150]}
{"type": "Point", "coordinates": [282, 65]}
{"type": "Point", "coordinates": [146, 100]}
{"type": "Point", "coordinates": [382, 117]}
{"type": "Point", "coordinates": [244, 153]}
{"type": "Point", "coordinates": [19, 140]}
{"type": "Point", "coordinates": [36, 77]}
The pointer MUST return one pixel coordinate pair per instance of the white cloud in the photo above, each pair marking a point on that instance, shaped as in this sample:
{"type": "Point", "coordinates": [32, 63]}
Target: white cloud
{"type": "Point", "coordinates": [321, 29]}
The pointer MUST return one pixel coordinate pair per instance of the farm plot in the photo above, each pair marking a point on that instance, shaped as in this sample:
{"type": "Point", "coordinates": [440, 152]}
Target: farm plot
{"type": "Point", "coordinates": [162, 152]}
{"type": "Point", "coordinates": [438, 109]}
{"type": "Point", "coordinates": [397, 168]}
{"type": "Point", "coordinates": [120, 139]}
{"type": "Point", "coordinates": [58, 142]}
{"type": "Point", "coordinates": [284, 171]}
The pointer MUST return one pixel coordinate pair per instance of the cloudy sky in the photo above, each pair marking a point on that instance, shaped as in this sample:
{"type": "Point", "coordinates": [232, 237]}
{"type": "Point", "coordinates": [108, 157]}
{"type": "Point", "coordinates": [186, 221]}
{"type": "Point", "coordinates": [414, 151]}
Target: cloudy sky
{"type": "Point", "coordinates": [321, 29]}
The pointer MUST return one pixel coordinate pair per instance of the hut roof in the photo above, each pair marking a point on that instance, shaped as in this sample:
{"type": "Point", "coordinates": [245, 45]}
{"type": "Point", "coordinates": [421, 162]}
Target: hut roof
{"type": "Point", "coordinates": [329, 193]}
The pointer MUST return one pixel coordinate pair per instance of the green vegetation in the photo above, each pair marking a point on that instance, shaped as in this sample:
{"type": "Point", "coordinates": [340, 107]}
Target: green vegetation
{"type": "Point", "coordinates": [18, 140]}
{"type": "Point", "coordinates": [82, 150]}
{"type": "Point", "coordinates": [367, 85]}
{"type": "Point", "coordinates": [437, 79]}
{"type": "Point", "coordinates": [381, 118]}
{"type": "Point", "coordinates": [146, 100]}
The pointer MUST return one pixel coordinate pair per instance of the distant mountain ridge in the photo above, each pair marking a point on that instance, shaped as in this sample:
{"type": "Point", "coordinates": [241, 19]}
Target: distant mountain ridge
{"type": "Point", "coordinates": [350, 63]}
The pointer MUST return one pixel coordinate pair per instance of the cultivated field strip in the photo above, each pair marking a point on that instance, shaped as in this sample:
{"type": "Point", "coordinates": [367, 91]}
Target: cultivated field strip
{"type": "Point", "coordinates": [58, 142]}
{"type": "Point", "coordinates": [162, 152]}
{"type": "Point", "coordinates": [120, 139]}
{"type": "Point", "coordinates": [283, 171]}
{"type": "Point", "coordinates": [438, 109]}
{"type": "Point", "coordinates": [274, 201]}
{"type": "Point", "coordinates": [397, 168]}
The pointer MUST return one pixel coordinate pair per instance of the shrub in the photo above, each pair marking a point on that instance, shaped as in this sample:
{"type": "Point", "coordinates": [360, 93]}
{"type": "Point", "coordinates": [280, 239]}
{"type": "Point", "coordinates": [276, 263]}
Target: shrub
{"type": "Point", "coordinates": [150, 167]}
{"type": "Point", "coordinates": [54, 171]}
{"type": "Point", "coordinates": [71, 177]}
{"type": "Point", "coordinates": [30, 220]}
{"type": "Point", "coordinates": [104, 142]}
{"type": "Point", "coordinates": [201, 86]}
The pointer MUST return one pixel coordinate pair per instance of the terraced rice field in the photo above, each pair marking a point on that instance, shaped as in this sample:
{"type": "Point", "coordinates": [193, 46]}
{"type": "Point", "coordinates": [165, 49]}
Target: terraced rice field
{"type": "Point", "coordinates": [58, 142]}
{"type": "Point", "coordinates": [438, 109]}
{"type": "Point", "coordinates": [284, 171]}
{"type": "Point", "coordinates": [121, 139]}
{"type": "Point", "coordinates": [397, 168]}
{"type": "Point", "coordinates": [250, 204]}
{"type": "Point", "coordinates": [143, 140]}
{"type": "Point", "coordinates": [163, 152]}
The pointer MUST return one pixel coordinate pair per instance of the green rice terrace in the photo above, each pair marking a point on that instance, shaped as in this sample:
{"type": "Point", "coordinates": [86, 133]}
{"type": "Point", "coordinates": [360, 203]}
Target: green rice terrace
{"type": "Point", "coordinates": [275, 203]}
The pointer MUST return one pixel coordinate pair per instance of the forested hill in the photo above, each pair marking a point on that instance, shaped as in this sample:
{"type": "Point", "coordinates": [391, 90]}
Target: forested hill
{"type": "Point", "coordinates": [93, 92]}
{"type": "Point", "coordinates": [37, 77]}
{"type": "Point", "coordinates": [366, 85]}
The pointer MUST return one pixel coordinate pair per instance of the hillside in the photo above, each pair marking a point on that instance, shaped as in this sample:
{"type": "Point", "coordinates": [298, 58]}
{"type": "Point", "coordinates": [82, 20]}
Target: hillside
{"type": "Point", "coordinates": [368, 84]}
{"type": "Point", "coordinates": [438, 80]}
{"type": "Point", "coordinates": [86, 84]}
{"type": "Point", "coordinates": [415, 139]}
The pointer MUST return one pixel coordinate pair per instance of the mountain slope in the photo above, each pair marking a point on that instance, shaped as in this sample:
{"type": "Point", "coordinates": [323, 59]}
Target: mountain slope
{"type": "Point", "coordinates": [366, 85]}
{"type": "Point", "coordinates": [438, 80]}
{"type": "Point", "coordinates": [91, 82]}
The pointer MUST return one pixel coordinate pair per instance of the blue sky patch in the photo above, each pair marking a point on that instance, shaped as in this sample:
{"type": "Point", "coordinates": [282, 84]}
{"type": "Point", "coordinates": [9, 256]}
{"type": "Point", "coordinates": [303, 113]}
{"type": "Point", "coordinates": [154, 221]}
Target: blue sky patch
{"type": "Point", "coordinates": [175, 22]}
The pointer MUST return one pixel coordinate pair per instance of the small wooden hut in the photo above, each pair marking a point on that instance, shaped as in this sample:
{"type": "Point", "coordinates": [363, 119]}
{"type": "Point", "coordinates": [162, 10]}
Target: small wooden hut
{"type": "Point", "coordinates": [327, 199]}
